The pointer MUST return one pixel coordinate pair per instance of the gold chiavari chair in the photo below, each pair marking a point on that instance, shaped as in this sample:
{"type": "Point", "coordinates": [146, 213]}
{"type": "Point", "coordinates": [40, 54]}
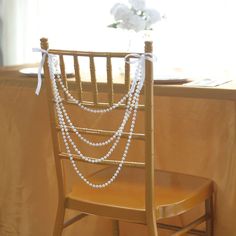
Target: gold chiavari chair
{"type": "Point", "coordinates": [127, 187]}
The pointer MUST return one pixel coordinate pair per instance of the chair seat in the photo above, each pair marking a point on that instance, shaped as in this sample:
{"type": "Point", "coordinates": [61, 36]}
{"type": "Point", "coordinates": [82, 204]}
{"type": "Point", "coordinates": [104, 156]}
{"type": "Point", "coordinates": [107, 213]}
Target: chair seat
{"type": "Point", "coordinates": [124, 199]}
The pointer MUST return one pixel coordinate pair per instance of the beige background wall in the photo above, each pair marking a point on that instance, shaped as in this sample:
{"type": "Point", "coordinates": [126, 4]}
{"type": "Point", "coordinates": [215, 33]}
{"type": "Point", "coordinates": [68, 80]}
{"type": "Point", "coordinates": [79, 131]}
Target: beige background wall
{"type": "Point", "coordinates": [194, 136]}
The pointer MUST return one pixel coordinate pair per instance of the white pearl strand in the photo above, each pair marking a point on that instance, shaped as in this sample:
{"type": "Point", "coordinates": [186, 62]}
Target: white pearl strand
{"type": "Point", "coordinates": [71, 157]}
{"type": "Point", "coordinates": [62, 124]}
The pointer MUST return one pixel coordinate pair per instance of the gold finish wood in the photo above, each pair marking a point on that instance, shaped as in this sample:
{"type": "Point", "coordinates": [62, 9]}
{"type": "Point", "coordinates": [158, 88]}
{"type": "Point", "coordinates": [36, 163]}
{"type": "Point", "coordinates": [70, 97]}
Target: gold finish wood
{"type": "Point", "coordinates": [63, 73]}
{"type": "Point", "coordinates": [93, 80]}
{"type": "Point", "coordinates": [59, 170]}
{"type": "Point", "coordinates": [127, 72]}
{"type": "Point", "coordinates": [139, 194]}
{"type": "Point", "coordinates": [110, 81]}
{"type": "Point", "coordinates": [77, 77]}
{"type": "Point", "coordinates": [100, 105]}
{"type": "Point", "coordinates": [98, 132]}
{"type": "Point", "coordinates": [105, 162]}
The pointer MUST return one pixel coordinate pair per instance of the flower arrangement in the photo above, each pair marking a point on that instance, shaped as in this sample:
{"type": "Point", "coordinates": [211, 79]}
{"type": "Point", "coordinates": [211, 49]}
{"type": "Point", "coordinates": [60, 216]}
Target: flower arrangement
{"type": "Point", "coordinates": [134, 16]}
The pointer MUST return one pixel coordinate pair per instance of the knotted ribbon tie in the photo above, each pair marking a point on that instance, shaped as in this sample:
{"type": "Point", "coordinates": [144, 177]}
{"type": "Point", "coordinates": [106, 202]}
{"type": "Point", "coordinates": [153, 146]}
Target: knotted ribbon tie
{"type": "Point", "coordinates": [140, 59]}
{"type": "Point", "coordinates": [44, 54]}
{"type": "Point", "coordinates": [137, 58]}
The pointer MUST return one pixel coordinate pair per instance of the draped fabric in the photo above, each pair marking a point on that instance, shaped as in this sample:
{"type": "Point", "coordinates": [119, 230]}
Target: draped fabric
{"type": "Point", "coordinates": [194, 136]}
{"type": "Point", "coordinates": [1, 37]}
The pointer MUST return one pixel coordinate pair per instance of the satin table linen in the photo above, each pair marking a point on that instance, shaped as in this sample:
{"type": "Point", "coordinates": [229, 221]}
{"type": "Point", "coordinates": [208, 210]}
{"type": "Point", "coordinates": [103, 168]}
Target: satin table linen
{"type": "Point", "coordinates": [194, 133]}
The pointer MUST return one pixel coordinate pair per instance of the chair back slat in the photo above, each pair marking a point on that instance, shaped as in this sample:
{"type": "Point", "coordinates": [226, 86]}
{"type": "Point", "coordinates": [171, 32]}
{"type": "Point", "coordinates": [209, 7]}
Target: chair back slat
{"type": "Point", "coordinates": [78, 77]}
{"type": "Point", "coordinates": [64, 155]}
{"type": "Point", "coordinates": [101, 105]}
{"type": "Point", "coordinates": [87, 53]}
{"type": "Point", "coordinates": [63, 72]}
{"type": "Point", "coordinates": [127, 74]}
{"type": "Point", "coordinates": [110, 81]}
{"type": "Point", "coordinates": [99, 132]}
{"type": "Point", "coordinates": [93, 79]}
{"type": "Point", "coordinates": [149, 143]}
{"type": "Point", "coordinates": [56, 146]}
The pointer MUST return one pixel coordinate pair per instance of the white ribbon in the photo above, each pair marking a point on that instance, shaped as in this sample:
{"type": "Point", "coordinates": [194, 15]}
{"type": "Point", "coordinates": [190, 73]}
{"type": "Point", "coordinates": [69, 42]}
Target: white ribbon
{"type": "Point", "coordinates": [140, 59]}
{"type": "Point", "coordinates": [137, 58]}
{"type": "Point", "coordinates": [44, 54]}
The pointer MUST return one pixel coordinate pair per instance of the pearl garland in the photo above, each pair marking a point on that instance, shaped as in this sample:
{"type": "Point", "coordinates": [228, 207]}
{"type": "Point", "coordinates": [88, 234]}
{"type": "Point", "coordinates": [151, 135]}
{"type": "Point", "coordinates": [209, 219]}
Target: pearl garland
{"type": "Point", "coordinates": [93, 144]}
{"type": "Point", "coordinates": [116, 136]}
{"type": "Point", "coordinates": [63, 117]}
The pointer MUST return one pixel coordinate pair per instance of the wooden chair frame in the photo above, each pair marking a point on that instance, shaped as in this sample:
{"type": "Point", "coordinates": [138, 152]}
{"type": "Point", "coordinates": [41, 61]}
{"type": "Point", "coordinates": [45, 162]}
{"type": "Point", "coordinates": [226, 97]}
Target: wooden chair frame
{"type": "Point", "coordinates": [150, 215]}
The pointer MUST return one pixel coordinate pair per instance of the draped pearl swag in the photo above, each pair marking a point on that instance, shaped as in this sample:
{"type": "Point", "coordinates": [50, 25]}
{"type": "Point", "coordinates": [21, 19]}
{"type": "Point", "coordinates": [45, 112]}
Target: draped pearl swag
{"type": "Point", "coordinates": [132, 101]}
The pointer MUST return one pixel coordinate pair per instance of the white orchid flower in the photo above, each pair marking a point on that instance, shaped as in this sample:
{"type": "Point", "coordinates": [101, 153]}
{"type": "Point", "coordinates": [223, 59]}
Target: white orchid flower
{"type": "Point", "coordinates": [134, 17]}
{"type": "Point", "coordinates": [152, 16]}
{"type": "Point", "coordinates": [133, 22]}
{"type": "Point", "coordinates": [120, 11]}
{"type": "Point", "coordinates": [138, 4]}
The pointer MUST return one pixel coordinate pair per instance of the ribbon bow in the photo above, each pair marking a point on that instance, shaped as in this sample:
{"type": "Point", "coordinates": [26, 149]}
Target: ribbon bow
{"type": "Point", "coordinates": [44, 54]}
{"type": "Point", "coordinates": [140, 59]}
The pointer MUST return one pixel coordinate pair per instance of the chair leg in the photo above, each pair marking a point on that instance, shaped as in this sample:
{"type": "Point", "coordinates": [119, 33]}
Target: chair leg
{"type": "Point", "coordinates": [115, 228]}
{"type": "Point", "coordinates": [152, 229]}
{"type": "Point", "coordinates": [59, 222]}
{"type": "Point", "coordinates": [209, 212]}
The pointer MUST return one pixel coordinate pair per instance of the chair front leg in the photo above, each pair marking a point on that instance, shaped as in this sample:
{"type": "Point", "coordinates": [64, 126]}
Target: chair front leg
{"type": "Point", "coordinates": [115, 228]}
{"type": "Point", "coordinates": [209, 212]}
{"type": "Point", "coordinates": [59, 222]}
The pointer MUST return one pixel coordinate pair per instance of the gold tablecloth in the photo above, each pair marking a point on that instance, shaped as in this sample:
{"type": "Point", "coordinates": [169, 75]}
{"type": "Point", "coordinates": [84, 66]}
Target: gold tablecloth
{"type": "Point", "coordinates": [195, 136]}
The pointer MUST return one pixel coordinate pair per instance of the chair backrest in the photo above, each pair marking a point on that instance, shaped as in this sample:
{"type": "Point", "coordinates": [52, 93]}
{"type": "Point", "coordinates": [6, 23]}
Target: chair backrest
{"type": "Point", "coordinates": [66, 95]}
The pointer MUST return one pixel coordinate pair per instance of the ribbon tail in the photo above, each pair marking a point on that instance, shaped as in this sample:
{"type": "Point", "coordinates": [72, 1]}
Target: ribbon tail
{"type": "Point", "coordinates": [39, 84]}
{"type": "Point", "coordinates": [141, 82]}
{"type": "Point", "coordinates": [133, 86]}
{"type": "Point", "coordinates": [44, 53]}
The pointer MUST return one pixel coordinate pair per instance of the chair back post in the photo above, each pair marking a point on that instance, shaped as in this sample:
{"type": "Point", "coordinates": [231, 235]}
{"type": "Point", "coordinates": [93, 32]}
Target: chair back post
{"type": "Point", "coordinates": [149, 143]}
{"type": "Point", "coordinates": [56, 148]}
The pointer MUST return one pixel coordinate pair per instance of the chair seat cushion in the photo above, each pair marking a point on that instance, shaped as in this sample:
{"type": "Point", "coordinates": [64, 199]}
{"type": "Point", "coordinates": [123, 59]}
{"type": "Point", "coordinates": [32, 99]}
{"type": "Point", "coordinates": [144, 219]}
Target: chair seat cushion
{"type": "Point", "coordinates": [175, 193]}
